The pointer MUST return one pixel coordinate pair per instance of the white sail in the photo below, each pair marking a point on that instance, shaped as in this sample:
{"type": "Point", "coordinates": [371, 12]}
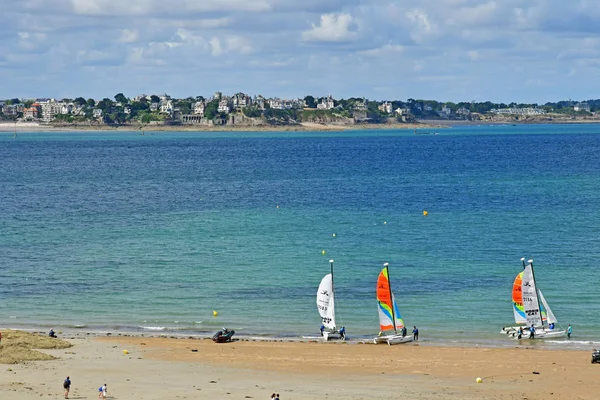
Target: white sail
{"type": "Point", "coordinates": [549, 314]}
{"type": "Point", "coordinates": [530, 298]}
{"type": "Point", "coordinates": [325, 302]}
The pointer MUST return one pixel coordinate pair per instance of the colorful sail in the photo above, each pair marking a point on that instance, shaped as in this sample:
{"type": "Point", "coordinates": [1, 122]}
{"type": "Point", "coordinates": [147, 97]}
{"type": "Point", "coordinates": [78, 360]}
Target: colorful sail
{"type": "Point", "coordinates": [517, 298]}
{"type": "Point", "coordinates": [389, 315]}
{"type": "Point", "coordinates": [325, 302]}
{"type": "Point", "coordinates": [530, 297]}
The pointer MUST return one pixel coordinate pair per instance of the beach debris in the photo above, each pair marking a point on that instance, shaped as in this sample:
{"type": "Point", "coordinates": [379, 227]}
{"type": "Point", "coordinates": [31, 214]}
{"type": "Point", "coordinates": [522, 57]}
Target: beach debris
{"type": "Point", "coordinates": [194, 350]}
{"type": "Point", "coordinates": [478, 380]}
{"type": "Point", "coordinates": [125, 351]}
{"type": "Point", "coordinates": [536, 373]}
{"type": "Point", "coordinates": [212, 382]}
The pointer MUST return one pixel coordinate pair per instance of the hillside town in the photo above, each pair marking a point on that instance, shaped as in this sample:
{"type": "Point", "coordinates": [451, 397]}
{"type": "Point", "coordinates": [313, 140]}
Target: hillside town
{"type": "Point", "coordinates": [245, 110]}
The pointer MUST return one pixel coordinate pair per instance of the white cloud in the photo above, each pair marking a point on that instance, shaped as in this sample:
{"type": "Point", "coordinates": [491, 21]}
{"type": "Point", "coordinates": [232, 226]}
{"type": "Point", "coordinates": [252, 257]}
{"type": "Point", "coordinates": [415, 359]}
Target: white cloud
{"type": "Point", "coordinates": [158, 7]}
{"type": "Point", "coordinates": [421, 23]}
{"type": "Point", "coordinates": [386, 50]}
{"type": "Point", "coordinates": [413, 43]}
{"type": "Point", "coordinates": [229, 44]}
{"type": "Point", "coordinates": [128, 36]}
{"type": "Point", "coordinates": [215, 43]}
{"type": "Point", "coordinates": [332, 28]}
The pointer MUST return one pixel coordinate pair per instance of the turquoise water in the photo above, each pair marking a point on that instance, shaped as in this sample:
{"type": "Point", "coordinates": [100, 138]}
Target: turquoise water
{"type": "Point", "coordinates": [122, 232]}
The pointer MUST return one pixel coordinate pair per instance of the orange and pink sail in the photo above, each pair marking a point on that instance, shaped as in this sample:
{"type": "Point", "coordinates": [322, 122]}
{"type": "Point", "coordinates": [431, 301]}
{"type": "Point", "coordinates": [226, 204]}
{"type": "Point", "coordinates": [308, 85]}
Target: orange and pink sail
{"type": "Point", "coordinates": [389, 314]}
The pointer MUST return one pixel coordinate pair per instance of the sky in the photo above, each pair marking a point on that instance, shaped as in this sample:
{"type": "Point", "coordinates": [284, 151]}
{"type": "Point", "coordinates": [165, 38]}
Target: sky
{"type": "Point", "coordinates": [447, 50]}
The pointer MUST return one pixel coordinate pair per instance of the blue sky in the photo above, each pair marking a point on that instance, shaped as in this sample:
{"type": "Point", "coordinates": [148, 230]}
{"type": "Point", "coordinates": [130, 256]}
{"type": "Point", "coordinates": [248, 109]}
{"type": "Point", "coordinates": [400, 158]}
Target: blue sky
{"type": "Point", "coordinates": [448, 50]}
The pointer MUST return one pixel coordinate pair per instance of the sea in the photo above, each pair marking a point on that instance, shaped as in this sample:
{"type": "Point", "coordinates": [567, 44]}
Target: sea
{"type": "Point", "coordinates": [182, 233]}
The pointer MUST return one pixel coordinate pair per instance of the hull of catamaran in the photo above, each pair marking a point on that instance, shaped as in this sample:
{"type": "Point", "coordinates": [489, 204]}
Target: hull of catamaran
{"type": "Point", "coordinates": [540, 333]}
{"type": "Point", "coordinates": [392, 339]}
{"type": "Point", "coordinates": [333, 336]}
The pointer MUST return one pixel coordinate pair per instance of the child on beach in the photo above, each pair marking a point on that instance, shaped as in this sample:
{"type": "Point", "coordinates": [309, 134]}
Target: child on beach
{"type": "Point", "coordinates": [67, 386]}
{"type": "Point", "coordinates": [102, 392]}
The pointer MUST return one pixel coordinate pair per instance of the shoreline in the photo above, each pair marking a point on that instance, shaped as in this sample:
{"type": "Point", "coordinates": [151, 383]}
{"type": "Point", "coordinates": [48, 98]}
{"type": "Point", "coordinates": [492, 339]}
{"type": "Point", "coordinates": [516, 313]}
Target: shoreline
{"type": "Point", "coordinates": [454, 340]}
{"type": "Point", "coordinates": [305, 127]}
{"type": "Point", "coordinates": [158, 368]}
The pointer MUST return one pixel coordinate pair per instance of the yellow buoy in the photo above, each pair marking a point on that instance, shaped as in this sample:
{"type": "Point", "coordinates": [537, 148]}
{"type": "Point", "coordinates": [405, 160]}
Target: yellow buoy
{"type": "Point", "coordinates": [323, 252]}
{"type": "Point", "coordinates": [425, 213]}
{"type": "Point", "coordinates": [385, 222]}
{"type": "Point", "coordinates": [277, 206]}
{"type": "Point", "coordinates": [334, 235]}
{"type": "Point", "coordinates": [478, 380]}
{"type": "Point", "coordinates": [125, 352]}
{"type": "Point", "coordinates": [215, 313]}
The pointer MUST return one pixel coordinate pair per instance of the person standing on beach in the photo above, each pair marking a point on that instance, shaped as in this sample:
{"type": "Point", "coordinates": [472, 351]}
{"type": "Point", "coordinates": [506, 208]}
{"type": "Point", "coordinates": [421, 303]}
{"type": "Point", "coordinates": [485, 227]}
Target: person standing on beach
{"type": "Point", "coordinates": [67, 386]}
{"type": "Point", "coordinates": [415, 333]}
{"type": "Point", "coordinates": [102, 392]}
{"type": "Point", "coordinates": [569, 331]}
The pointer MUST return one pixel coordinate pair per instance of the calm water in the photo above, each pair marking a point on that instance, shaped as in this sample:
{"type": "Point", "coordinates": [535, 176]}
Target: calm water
{"type": "Point", "coordinates": [125, 232]}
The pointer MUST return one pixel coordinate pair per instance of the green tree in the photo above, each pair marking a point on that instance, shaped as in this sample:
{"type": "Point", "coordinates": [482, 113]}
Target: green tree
{"type": "Point", "coordinates": [105, 105]}
{"type": "Point", "coordinates": [210, 111]}
{"type": "Point", "coordinates": [80, 101]}
{"type": "Point", "coordinates": [154, 98]}
{"type": "Point", "coordinates": [91, 103]}
{"type": "Point", "coordinates": [310, 102]}
{"type": "Point", "coordinates": [120, 98]}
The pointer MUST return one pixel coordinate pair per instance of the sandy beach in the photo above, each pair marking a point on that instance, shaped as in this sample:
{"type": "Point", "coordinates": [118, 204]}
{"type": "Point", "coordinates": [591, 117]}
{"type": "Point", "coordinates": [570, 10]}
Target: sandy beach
{"type": "Point", "coordinates": [169, 368]}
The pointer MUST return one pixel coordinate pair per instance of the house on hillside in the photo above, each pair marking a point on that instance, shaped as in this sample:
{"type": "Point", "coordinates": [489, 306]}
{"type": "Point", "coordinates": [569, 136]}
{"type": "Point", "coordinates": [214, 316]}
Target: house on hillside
{"type": "Point", "coordinates": [582, 107]}
{"type": "Point", "coordinates": [326, 104]}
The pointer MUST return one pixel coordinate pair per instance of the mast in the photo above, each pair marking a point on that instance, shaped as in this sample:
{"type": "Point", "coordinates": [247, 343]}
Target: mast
{"type": "Point", "coordinates": [387, 269]}
{"type": "Point", "coordinates": [536, 292]}
{"type": "Point", "coordinates": [332, 287]}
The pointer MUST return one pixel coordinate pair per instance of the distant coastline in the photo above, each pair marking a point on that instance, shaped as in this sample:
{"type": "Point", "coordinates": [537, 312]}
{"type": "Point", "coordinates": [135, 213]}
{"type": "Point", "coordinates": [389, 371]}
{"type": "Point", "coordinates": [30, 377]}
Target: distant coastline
{"type": "Point", "coordinates": [306, 127]}
{"type": "Point", "coordinates": [301, 127]}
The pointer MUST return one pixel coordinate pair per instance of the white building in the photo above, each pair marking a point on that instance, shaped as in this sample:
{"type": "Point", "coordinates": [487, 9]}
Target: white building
{"type": "Point", "coordinates": [276, 104]}
{"type": "Point", "coordinates": [199, 108]}
{"type": "Point", "coordinates": [386, 107]}
{"type": "Point", "coordinates": [240, 100]}
{"type": "Point", "coordinates": [326, 104]}
{"type": "Point", "coordinates": [50, 109]}
{"type": "Point", "coordinates": [224, 107]}
{"type": "Point", "coordinates": [97, 113]}
{"type": "Point", "coordinates": [166, 106]}
{"type": "Point", "coordinates": [446, 111]}
{"type": "Point", "coordinates": [582, 107]}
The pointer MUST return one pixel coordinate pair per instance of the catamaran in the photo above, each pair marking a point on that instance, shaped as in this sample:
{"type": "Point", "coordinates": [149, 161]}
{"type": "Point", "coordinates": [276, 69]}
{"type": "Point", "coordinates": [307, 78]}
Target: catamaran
{"type": "Point", "coordinates": [530, 308]}
{"type": "Point", "coordinates": [326, 307]}
{"type": "Point", "coordinates": [392, 329]}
